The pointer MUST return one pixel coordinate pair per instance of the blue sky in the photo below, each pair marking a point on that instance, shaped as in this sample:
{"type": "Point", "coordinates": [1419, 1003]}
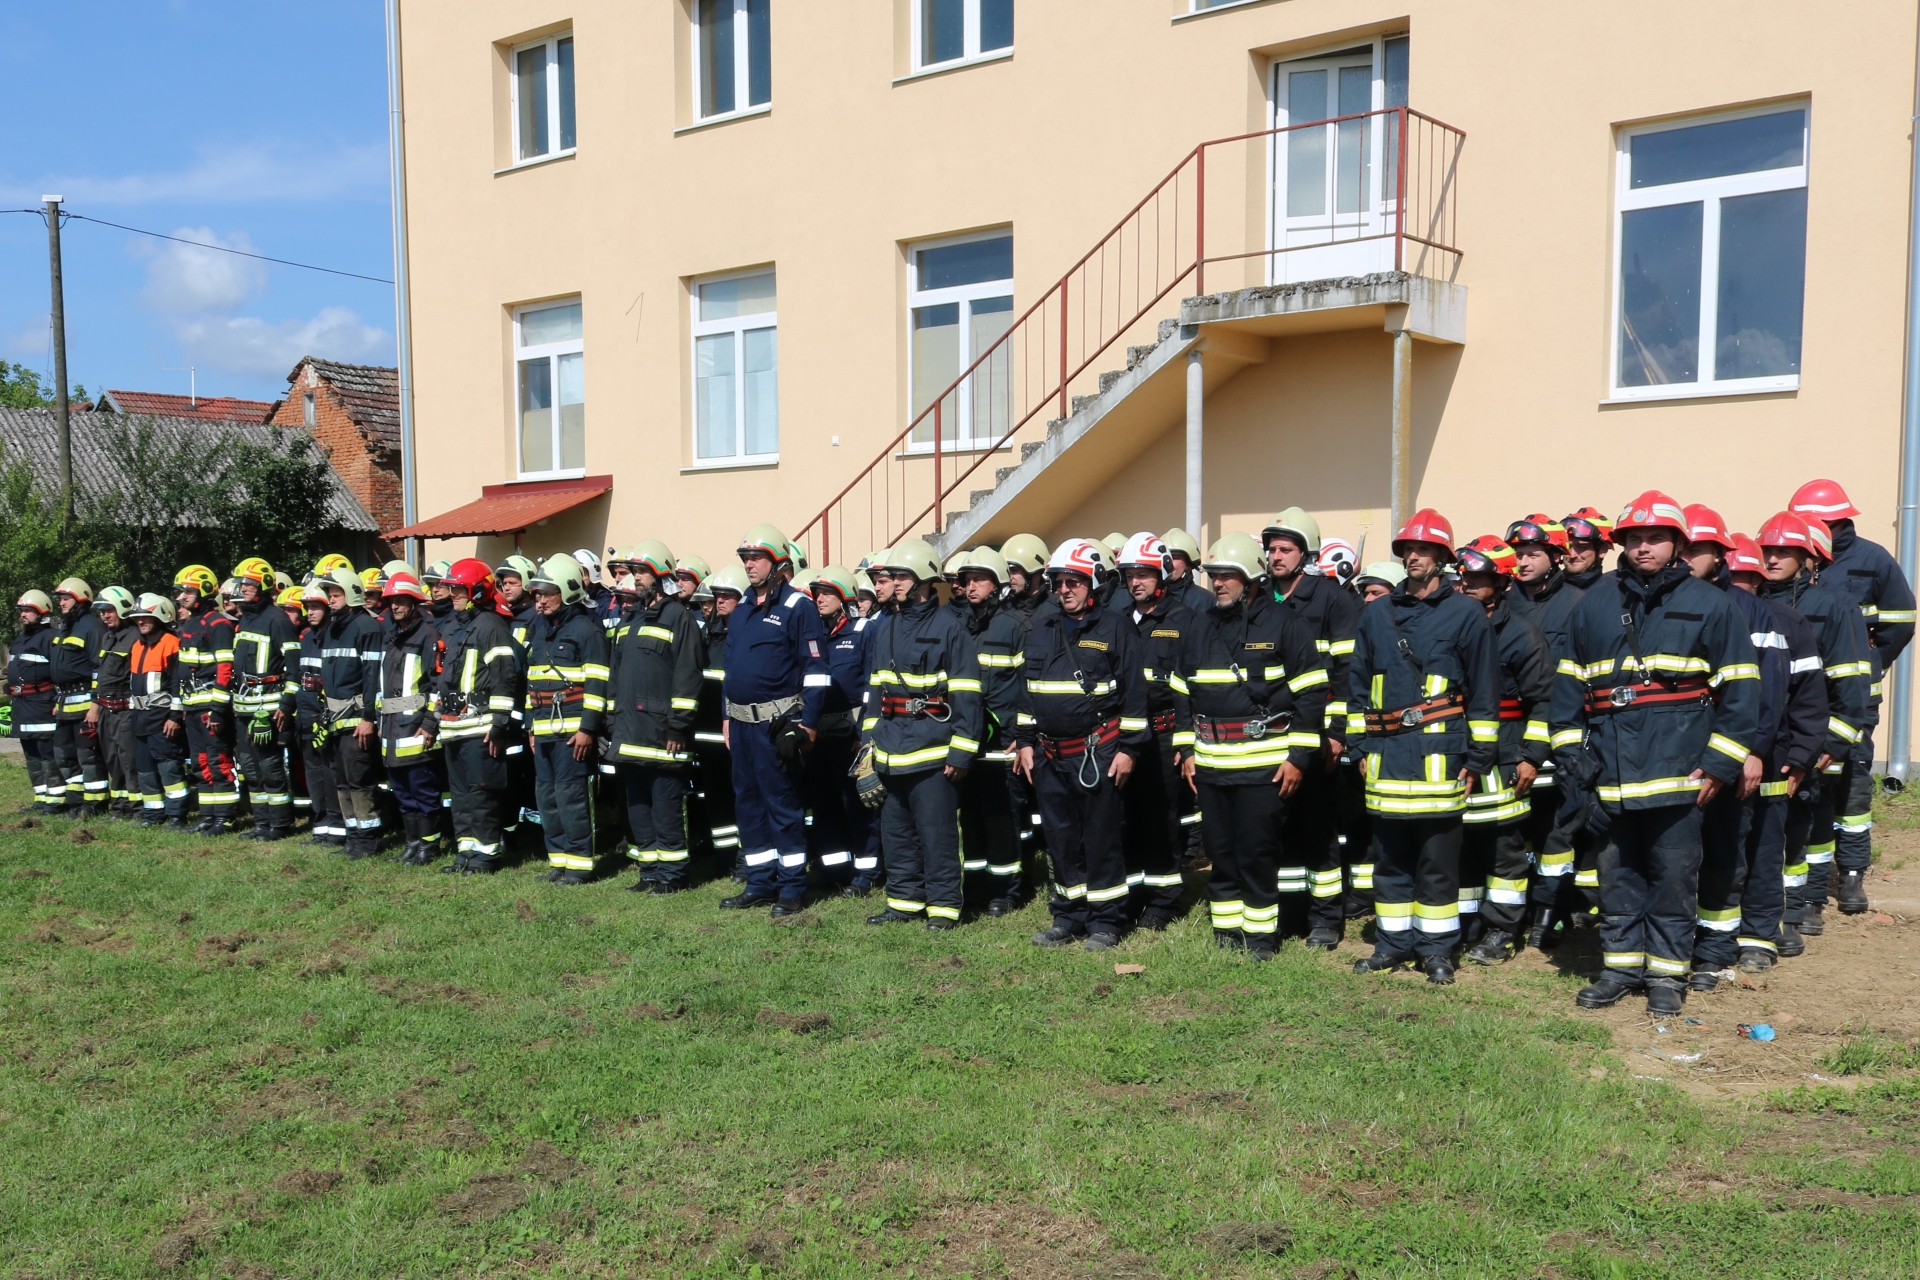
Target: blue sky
{"type": "Point", "coordinates": [260, 125]}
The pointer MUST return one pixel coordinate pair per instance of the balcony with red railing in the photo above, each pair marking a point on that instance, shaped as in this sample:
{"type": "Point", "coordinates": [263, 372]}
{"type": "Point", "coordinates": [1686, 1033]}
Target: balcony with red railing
{"type": "Point", "coordinates": [1359, 195]}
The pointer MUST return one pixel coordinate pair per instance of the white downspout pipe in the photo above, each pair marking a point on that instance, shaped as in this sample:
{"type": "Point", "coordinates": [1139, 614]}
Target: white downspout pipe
{"type": "Point", "coordinates": [402, 295]}
{"type": "Point", "coordinates": [1907, 546]}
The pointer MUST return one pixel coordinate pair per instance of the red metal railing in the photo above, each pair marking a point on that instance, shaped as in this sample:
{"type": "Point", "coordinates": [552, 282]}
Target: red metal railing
{"type": "Point", "coordinates": [1045, 356]}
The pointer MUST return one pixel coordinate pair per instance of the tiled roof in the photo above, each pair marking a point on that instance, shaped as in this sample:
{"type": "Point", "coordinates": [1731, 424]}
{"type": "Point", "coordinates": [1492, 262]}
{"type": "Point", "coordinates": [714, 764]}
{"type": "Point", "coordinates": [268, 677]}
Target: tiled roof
{"type": "Point", "coordinates": [508, 508]}
{"type": "Point", "coordinates": [29, 435]}
{"type": "Point", "coordinates": [206, 409]}
{"type": "Point", "coordinates": [369, 392]}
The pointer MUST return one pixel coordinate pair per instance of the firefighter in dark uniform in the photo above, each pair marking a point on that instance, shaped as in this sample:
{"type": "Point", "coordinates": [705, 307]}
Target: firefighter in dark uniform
{"type": "Point", "coordinates": [266, 649]}
{"type": "Point", "coordinates": [153, 704]}
{"type": "Point", "coordinates": [923, 719]}
{"type": "Point", "coordinates": [410, 667]}
{"type": "Point", "coordinates": [76, 740]}
{"type": "Point", "coordinates": [478, 705]}
{"type": "Point", "coordinates": [775, 687]}
{"type": "Point", "coordinates": [110, 691]}
{"type": "Point", "coordinates": [1424, 701]}
{"type": "Point", "coordinates": [713, 763]}
{"type": "Point", "coordinates": [994, 807]}
{"type": "Point", "coordinates": [1494, 858]}
{"type": "Point", "coordinates": [32, 699]}
{"type": "Point", "coordinates": [206, 680]}
{"type": "Point", "coordinates": [1027, 590]}
{"type": "Point", "coordinates": [1250, 688]}
{"type": "Point", "coordinates": [1743, 832]}
{"type": "Point", "coordinates": [843, 841]}
{"type": "Point", "coordinates": [351, 647]}
{"type": "Point", "coordinates": [327, 825]}
{"type": "Point", "coordinates": [1789, 547]}
{"type": "Point", "coordinates": [1156, 793]}
{"type": "Point", "coordinates": [1865, 572]}
{"type": "Point", "coordinates": [653, 695]}
{"type": "Point", "coordinates": [1181, 584]}
{"type": "Point", "coordinates": [510, 580]}
{"type": "Point", "coordinates": [1315, 865]}
{"type": "Point", "coordinates": [1662, 687]}
{"type": "Point", "coordinates": [566, 707]}
{"type": "Point", "coordinates": [1081, 728]}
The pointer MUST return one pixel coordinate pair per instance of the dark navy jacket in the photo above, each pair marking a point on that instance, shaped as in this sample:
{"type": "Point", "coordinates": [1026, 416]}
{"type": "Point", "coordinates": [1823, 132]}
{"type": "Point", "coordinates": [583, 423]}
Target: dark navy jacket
{"type": "Point", "coordinates": [778, 650]}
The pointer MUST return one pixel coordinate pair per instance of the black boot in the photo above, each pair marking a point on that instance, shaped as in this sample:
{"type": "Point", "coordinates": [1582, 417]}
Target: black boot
{"type": "Point", "coordinates": [1378, 962]}
{"type": "Point", "coordinates": [1439, 970]}
{"type": "Point", "coordinates": [747, 901]}
{"type": "Point", "coordinates": [890, 916]}
{"type": "Point", "coordinates": [1323, 938]}
{"type": "Point", "coordinates": [1791, 944]}
{"type": "Point", "coordinates": [1058, 935]}
{"type": "Point", "coordinates": [1757, 959]}
{"type": "Point", "coordinates": [1665, 999]}
{"type": "Point", "coordinates": [1851, 892]}
{"type": "Point", "coordinates": [1698, 980]}
{"type": "Point", "coordinates": [1544, 933]}
{"type": "Point", "coordinates": [1605, 993]}
{"type": "Point", "coordinates": [211, 824]}
{"type": "Point", "coordinates": [1495, 947]}
{"type": "Point", "coordinates": [1812, 921]}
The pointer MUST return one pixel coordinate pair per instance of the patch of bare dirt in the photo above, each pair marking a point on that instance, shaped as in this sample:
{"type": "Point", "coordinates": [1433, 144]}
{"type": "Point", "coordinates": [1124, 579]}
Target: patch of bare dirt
{"type": "Point", "coordinates": [1273, 1238]}
{"type": "Point", "coordinates": [402, 991]}
{"type": "Point", "coordinates": [798, 1023]}
{"type": "Point", "coordinates": [308, 1182]}
{"type": "Point", "coordinates": [460, 1134]}
{"type": "Point", "coordinates": [655, 1012]}
{"type": "Point", "coordinates": [83, 836]}
{"type": "Point", "coordinates": [524, 909]}
{"type": "Point", "coordinates": [284, 1099]}
{"type": "Point", "coordinates": [60, 930]}
{"type": "Point", "coordinates": [31, 873]}
{"type": "Point", "coordinates": [486, 1195]}
{"type": "Point", "coordinates": [1209, 1101]}
{"type": "Point", "coordinates": [1024, 1242]}
{"type": "Point", "coordinates": [548, 1163]}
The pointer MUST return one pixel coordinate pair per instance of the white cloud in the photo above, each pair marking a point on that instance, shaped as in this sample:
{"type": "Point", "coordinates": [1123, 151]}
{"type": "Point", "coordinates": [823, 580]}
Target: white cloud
{"type": "Point", "coordinates": [251, 345]}
{"type": "Point", "coordinates": [31, 343]}
{"type": "Point", "coordinates": [242, 172]}
{"type": "Point", "coordinates": [182, 279]}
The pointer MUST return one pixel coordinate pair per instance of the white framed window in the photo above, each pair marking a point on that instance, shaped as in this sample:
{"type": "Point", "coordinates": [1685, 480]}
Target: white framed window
{"type": "Point", "coordinates": [736, 369]}
{"type": "Point", "coordinates": [1710, 254]}
{"type": "Point", "coordinates": [551, 390]}
{"type": "Point", "coordinates": [954, 31]}
{"type": "Point", "coordinates": [959, 303]}
{"type": "Point", "coordinates": [543, 121]}
{"type": "Point", "coordinates": [732, 57]}
{"type": "Point", "coordinates": [308, 417]}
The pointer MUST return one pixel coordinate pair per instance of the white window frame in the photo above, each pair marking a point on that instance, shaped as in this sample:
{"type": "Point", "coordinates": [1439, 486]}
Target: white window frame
{"type": "Point", "coordinates": [309, 410]}
{"type": "Point", "coordinates": [971, 51]}
{"type": "Point", "coordinates": [554, 150]}
{"type": "Point", "coordinates": [742, 68]}
{"type": "Point", "coordinates": [1709, 192]}
{"type": "Point", "coordinates": [551, 351]}
{"type": "Point", "coordinates": [962, 294]}
{"type": "Point", "coordinates": [738, 327]}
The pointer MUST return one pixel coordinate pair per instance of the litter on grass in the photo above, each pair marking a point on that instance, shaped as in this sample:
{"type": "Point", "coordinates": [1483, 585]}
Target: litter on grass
{"type": "Point", "coordinates": [1755, 1031]}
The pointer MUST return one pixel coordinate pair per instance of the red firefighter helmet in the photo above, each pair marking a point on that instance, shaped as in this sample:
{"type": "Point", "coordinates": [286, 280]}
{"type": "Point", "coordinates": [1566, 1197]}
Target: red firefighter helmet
{"type": "Point", "coordinates": [475, 576]}
{"type": "Point", "coordinates": [1785, 530]}
{"type": "Point", "coordinates": [1824, 500]}
{"type": "Point", "coordinates": [1537, 528]}
{"type": "Point", "coordinates": [1486, 554]}
{"type": "Point", "coordinates": [402, 584]}
{"type": "Point", "coordinates": [1651, 510]}
{"type": "Point", "coordinates": [1705, 525]}
{"type": "Point", "coordinates": [1745, 556]}
{"type": "Point", "coordinates": [1425, 525]}
{"type": "Point", "coordinates": [1595, 517]}
{"type": "Point", "coordinates": [1820, 538]}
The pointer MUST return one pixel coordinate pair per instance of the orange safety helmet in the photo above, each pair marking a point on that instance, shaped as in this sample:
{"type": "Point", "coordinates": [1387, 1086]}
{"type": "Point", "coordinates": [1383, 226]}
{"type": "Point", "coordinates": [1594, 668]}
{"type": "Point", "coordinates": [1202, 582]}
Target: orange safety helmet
{"type": "Point", "coordinates": [1487, 554]}
{"type": "Point", "coordinates": [1603, 527]}
{"type": "Point", "coordinates": [1537, 528]}
{"type": "Point", "coordinates": [1705, 525]}
{"type": "Point", "coordinates": [1425, 525]}
{"type": "Point", "coordinates": [1785, 530]}
{"type": "Point", "coordinates": [1651, 510]}
{"type": "Point", "coordinates": [1745, 556]}
{"type": "Point", "coordinates": [1823, 500]}
{"type": "Point", "coordinates": [403, 584]}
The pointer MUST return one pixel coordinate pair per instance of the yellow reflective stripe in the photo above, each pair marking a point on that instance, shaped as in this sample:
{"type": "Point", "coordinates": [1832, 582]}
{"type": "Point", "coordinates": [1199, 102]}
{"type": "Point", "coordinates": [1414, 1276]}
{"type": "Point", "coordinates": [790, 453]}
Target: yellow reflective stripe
{"type": "Point", "coordinates": [1840, 670]}
{"type": "Point", "coordinates": [1177, 683]}
{"type": "Point", "coordinates": [594, 670]}
{"type": "Point", "coordinates": [1841, 729]}
{"type": "Point", "coordinates": [1341, 648]}
{"type": "Point", "coordinates": [1308, 679]}
{"type": "Point", "coordinates": [1727, 747]}
{"type": "Point", "coordinates": [1774, 788]}
{"type": "Point", "coordinates": [686, 704]}
{"type": "Point", "coordinates": [1894, 615]}
{"type": "Point", "coordinates": [1567, 738]}
{"type": "Point", "coordinates": [1130, 725]}
{"type": "Point", "coordinates": [1537, 731]}
{"type": "Point", "coordinates": [1737, 671]}
{"type": "Point", "coordinates": [1651, 787]}
{"type": "Point", "coordinates": [998, 660]}
{"type": "Point", "coordinates": [1069, 687]}
{"type": "Point", "coordinates": [1568, 667]}
{"type": "Point", "coordinates": [926, 755]}
{"type": "Point", "coordinates": [1484, 730]}
{"type": "Point", "coordinates": [964, 744]}
{"type": "Point", "coordinates": [658, 633]}
{"type": "Point", "coordinates": [960, 684]}
{"type": "Point", "coordinates": [1217, 675]}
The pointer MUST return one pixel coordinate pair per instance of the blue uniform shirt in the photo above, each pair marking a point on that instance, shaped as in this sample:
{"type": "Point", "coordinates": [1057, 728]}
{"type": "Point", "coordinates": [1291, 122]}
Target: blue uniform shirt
{"type": "Point", "coordinates": [777, 650]}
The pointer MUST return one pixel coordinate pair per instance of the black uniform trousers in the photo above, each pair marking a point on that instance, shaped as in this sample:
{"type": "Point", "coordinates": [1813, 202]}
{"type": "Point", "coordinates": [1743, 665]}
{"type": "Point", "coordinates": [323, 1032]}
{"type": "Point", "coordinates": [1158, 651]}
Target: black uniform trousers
{"type": "Point", "coordinates": [160, 767]}
{"type": "Point", "coordinates": [1810, 842]}
{"type": "Point", "coordinates": [713, 823]}
{"type": "Point", "coordinates": [482, 787]}
{"type": "Point", "coordinates": [1416, 885]}
{"type": "Point", "coordinates": [265, 767]}
{"type": "Point", "coordinates": [842, 827]}
{"type": "Point", "coordinates": [920, 833]}
{"type": "Point", "coordinates": [1355, 838]}
{"type": "Point", "coordinates": [76, 757]}
{"type": "Point", "coordinates": [1494, 862]}
{"type": "Point", "coordinates": [993, 815]}
{"type": "Point", "coordinates": [324, 814]}
{"type": "Point", "coordinates": [1650, 893]}
{"type": "Point", "coordinates": [1852, 837]}
{"type": "Point", "coordinates": [210, 765]}
{"type": "Point", "coordinates": [1742, 897]}
{"type": "Point", "coordinates": [356, 769]}
{"type": "Point", "coordinates": [1243, 822]}
{"type": "Point", "coordinates": [656, 800]}
{"type": "Point", "coordinates": [1082, 812]}
{"type": "Point", "coordinates": [771, 813]}
{"type": "Point", "coordinates": [49, 788]}
{"type": "Point", "coordinates": [1311, 857]}
{"type": "Point", "coordinates": [1151, 836]}
{"type": "Point", "coordinates": [565, 789]}
{"type": "Point", "coordinates": [116, 756]}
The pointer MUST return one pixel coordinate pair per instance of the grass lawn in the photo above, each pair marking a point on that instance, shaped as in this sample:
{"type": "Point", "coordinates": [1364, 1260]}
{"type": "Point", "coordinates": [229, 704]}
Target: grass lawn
{"type": "Point", "coordinates": [222, 1059]}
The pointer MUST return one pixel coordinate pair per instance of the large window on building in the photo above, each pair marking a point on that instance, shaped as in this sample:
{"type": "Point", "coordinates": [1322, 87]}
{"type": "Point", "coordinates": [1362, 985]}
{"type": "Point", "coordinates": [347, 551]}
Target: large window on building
{"type": "Point", "coordinates": [543, 122]}
{"type": "Point", "coordinates": [960, 302]}
{"type": "Point", "coordinates": [736, 370]}
{"type": "Point", "coordinates": [1711, 253]}
{"type": "Point", "coordinates": [732, 57]}
{"type": "Point", "coordinates": [954, 31]}
{"type": "Point", "coordinates": [551, 366]}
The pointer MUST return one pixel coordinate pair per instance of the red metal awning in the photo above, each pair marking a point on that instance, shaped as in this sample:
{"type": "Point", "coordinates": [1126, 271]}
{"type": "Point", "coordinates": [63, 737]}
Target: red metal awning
{"type": "Point", "coordinates": [508, 508]}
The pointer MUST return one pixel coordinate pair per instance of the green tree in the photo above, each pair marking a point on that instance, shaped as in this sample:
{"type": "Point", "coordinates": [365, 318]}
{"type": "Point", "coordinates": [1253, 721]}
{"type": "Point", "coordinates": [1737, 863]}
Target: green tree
{"type": "Point", "coordinates": [33, 550]}
{"type": "Point", "coordinates": [21, 388]}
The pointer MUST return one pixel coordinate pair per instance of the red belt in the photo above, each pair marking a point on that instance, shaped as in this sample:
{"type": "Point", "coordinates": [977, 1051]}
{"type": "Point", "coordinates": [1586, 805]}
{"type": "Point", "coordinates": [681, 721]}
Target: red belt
{"type": "Point", "coordinates": [111, 703]}
{"type": "Point", "coordinates": [1510, 709]}
{"type": "Point", "coordinates": [893, 704]}
{"type": "Point", "coordinates": [1163, 722]}
{"type": "Point", "coordinates": [556, 697]}
{"type": "Point", "coordinates": [1054, 748]}
{"type": "Point", "coordinates": [1253, 729]}
{"type": "Point", "coordinates": [1447, 706]}
{"type": "Point", "coordinates": [1648, 693]}
{"type": "Point", "coordinates": [36, 686]}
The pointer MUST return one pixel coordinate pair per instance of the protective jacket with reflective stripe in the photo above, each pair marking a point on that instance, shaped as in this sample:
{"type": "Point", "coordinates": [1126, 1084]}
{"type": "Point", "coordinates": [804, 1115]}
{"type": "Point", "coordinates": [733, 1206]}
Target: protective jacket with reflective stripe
{"type": "Point", "coordinates": [261, 662]}
{"type": "Point", "coordinates": [76, 639]}
{"type": "Point", "coordinates": [1793, 690]}
{"type": "Point", "coordinates": [351, 646]}
{"type": "Point", "coordinates": [1872, 578]}
{"type": "Point", "coordinates": [1080, 673]}
{"type": "Point", "coordinates": [1551, 608]}
{"type": "Point", "coordinates": [1527, 668]}
{"type": "Point", "coordinates": [1846, 659]}
{"type": "Point", "coordinates": [1332, 615]}
{"type": "Point", "coordinates": [776, 649]}
{"type": "Point", "coordinates": [1448, 655]}
{"type": "Point", "coordinates": [1252, 661]}
{"type": "Point", "coordinates": [847, 639]}
{"type": "Point", "coordinates": [1191, 594]}
{"type": "Point", "coordinates": [153, 672]}
{"type": "Point", "coordinates": [1162, 629]}
{"type": "Point", "coordinates": [480, 680]}
{"type": "Point", "coordinates": [707, 720]}
{"type": "Point", "coordinates": [566, 673]}
{"type": "Point", "coordinates": [206, 659]}
{"type": "Point", "coordinates": [29, 663]}
{"type": "Point", "coordinates": [111, 672]}
{"type": "Point", "coordinates": [923, 651]}
{"type": "Point", "coordinates": [409, 673]}
{"type": "Point", "coordinates": [654, 690]}
{"type": "Point", "coordinates": [1644, 752]}
{"type": "Point", "coordinates": [999, 634]}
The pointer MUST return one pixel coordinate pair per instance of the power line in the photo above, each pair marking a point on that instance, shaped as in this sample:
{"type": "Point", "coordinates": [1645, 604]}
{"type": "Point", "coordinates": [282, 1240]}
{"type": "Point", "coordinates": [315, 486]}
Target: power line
{"type": "Point", "coordinates": [218, 248]}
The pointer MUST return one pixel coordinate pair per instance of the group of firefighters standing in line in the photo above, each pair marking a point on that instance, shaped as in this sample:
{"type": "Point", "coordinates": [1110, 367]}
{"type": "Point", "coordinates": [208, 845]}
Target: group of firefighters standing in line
{"type": "Point", "coordinates": [1480, 744]}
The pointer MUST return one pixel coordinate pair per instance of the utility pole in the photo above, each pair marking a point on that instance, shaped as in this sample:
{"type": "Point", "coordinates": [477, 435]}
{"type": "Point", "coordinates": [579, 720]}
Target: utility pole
{"type": "Point", "coordinates": [60, 420]}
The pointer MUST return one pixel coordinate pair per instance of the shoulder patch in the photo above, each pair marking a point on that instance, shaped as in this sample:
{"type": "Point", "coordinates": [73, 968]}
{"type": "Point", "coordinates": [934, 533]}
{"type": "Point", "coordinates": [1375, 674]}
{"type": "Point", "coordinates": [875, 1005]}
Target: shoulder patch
{"type": "Point", "coordinates": [1094, 644]}
{"type": "Point", "coordinates": [795, 599]}
{"type": "Point", "coordinates": [861, 625]}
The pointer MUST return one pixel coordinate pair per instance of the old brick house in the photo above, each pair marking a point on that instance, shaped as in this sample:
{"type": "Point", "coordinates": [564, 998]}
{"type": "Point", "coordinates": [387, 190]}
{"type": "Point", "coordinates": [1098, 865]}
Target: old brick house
{"type": "Point", "coordinates": [353, 411]}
